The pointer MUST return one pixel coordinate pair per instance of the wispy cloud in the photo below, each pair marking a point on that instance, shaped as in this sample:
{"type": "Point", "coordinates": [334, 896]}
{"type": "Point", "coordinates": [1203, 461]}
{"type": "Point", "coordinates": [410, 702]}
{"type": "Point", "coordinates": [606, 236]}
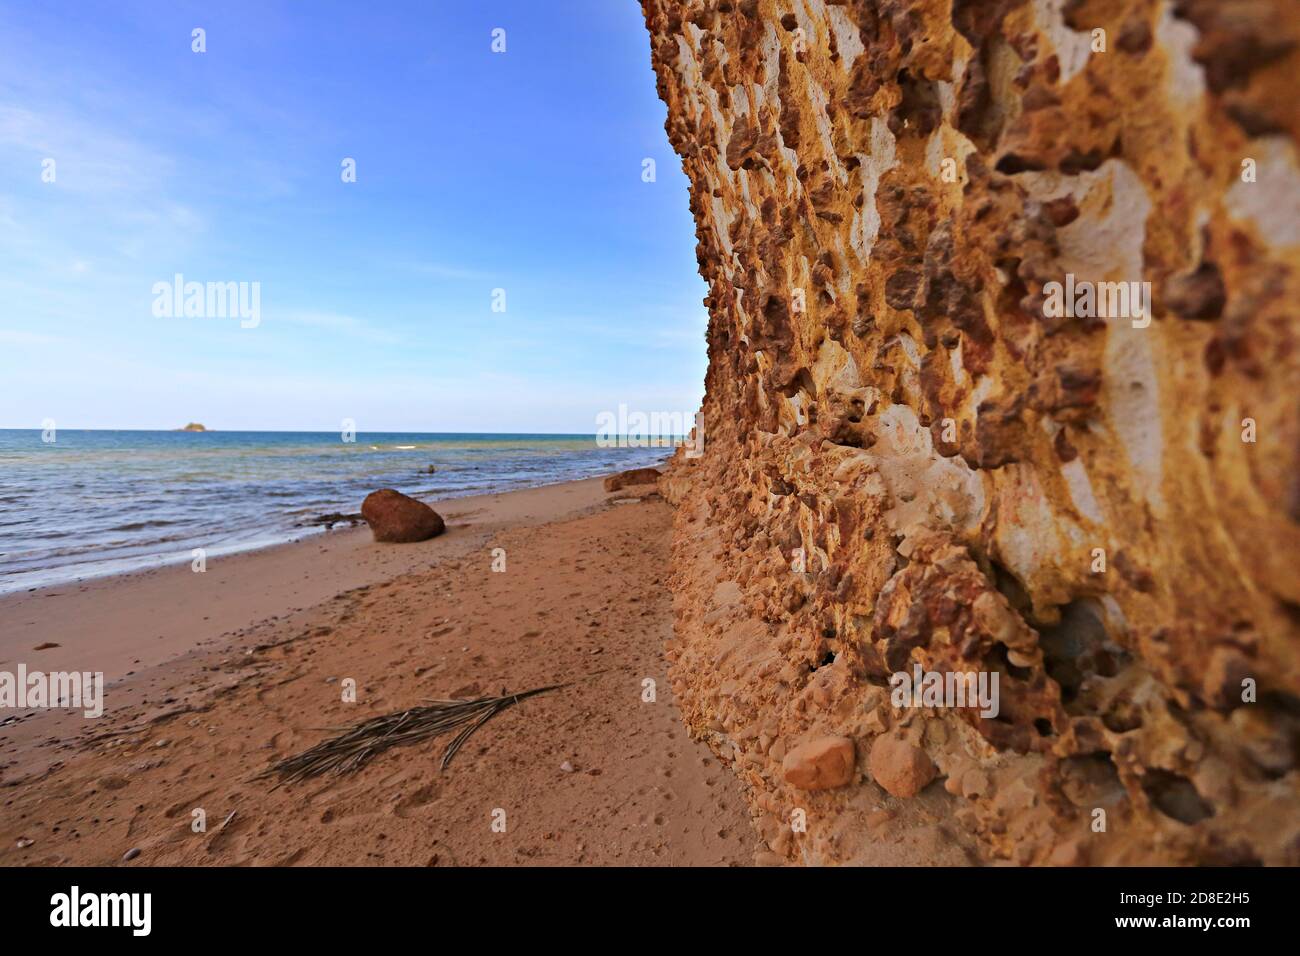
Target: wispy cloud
{"type": "Point", "coordinates": [109, 195]}
{"type": "Point", "coordinates": [348, 325]}
{"type": "Point", "coordinates": [16, 338]}
{"type": "Point", "coordinates": [442, 270]}
{"type": "Point", "coordinates": [653, 327]}
{"type": "Point", "coordinates": [88, 157]}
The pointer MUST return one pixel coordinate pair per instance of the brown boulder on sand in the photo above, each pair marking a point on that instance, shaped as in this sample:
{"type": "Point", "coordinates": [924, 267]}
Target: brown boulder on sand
{"type": "Point", "coordinates": [637, 476]}
{"type": "Point", "coordinates": [396, 518]}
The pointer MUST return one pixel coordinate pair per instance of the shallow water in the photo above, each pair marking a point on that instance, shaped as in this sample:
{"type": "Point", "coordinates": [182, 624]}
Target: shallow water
{"type": "Point", "coordinates": [101, 502]}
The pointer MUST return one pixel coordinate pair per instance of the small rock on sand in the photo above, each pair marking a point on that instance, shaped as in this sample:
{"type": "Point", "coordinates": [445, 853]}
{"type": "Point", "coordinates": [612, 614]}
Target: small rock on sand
{"type": "Point", "coordinates": [636, 476]}
{"type": "Point", "coordinates": [820, 764]}
{"type": "Point", "coordinates": [903, 770]}
{"type": "Point", "coordinates": [131, 854]}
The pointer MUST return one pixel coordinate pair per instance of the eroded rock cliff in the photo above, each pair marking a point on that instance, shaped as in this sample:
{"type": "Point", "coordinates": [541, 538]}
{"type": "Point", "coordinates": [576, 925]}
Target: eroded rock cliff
{"type": "Point", "coordinates": [918, 455]}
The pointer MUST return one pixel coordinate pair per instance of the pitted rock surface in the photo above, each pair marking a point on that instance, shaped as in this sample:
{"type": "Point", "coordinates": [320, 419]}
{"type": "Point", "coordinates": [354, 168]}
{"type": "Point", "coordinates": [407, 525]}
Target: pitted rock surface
{"type": "Point", "coordinates": [912, 458]}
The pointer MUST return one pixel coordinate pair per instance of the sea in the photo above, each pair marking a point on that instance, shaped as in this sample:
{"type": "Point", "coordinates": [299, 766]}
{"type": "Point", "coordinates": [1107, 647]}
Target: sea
{"type": "Point", "coordinates": [95, 503]}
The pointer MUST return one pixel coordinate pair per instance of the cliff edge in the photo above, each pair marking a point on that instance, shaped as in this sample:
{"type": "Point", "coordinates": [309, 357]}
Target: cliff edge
{"type": "Point", "coordinates": [1003, 379]}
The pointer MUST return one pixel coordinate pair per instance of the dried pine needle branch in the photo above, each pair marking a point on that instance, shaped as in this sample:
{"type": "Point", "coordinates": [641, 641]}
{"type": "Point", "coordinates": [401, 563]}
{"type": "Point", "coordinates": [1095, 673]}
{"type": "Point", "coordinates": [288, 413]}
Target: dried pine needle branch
{"type": "Point", "coordinates": [352, 750]}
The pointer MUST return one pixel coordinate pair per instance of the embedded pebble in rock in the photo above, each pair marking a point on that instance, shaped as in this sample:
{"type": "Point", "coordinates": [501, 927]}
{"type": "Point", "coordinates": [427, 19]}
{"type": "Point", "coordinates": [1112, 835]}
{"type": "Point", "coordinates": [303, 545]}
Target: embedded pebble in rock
{"type": "Point", "coordinates": [821, 764]}
{"type": "Point", "coordinates": [974, 783]}
{"type": "Point", "coordinates": [903, 770]}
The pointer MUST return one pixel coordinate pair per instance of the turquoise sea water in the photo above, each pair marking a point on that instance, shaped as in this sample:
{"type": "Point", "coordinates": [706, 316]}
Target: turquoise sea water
{"type": "Point", "coordinates": [101, 502]}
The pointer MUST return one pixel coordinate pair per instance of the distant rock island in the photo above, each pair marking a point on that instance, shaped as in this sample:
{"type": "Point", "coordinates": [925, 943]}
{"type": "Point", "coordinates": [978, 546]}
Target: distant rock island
{"type": "Point", "coordinates": [193, 427]}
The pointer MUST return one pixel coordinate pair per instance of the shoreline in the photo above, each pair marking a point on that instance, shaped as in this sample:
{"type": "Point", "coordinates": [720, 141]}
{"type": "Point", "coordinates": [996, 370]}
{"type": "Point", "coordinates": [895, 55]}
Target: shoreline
{"type": "Point", "coordinates": [279, 537]}
{"type": "Point", "coordinates": [146, 499]}
{"type": "Point", "coordinates": [106, 599]}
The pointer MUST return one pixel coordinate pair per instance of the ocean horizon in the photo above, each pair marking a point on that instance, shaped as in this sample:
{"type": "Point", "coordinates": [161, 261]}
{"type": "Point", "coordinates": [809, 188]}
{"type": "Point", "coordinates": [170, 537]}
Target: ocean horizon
{"type": "Point", "coordinates": [96, 502]}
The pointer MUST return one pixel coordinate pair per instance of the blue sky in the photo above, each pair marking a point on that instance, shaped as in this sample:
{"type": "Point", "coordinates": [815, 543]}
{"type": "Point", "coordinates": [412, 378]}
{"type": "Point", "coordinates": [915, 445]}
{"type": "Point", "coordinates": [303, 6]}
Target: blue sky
{"type": "Point", "coordinates": [475, 171]}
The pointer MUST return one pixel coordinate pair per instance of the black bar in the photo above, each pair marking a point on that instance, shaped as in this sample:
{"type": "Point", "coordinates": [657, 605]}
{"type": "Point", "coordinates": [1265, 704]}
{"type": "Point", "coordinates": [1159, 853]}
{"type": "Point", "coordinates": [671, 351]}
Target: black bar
{"type": "Point", "coordinates": [561, 907]}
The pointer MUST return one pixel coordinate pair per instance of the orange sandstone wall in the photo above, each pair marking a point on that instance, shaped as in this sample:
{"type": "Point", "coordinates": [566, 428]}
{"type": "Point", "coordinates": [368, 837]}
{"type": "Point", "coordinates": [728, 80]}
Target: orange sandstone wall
{"type": "Point", "coordinates": [914, 457]}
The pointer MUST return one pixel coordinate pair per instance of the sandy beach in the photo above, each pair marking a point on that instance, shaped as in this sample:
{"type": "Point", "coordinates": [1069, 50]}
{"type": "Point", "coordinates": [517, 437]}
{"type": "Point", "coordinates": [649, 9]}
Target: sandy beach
{"type": "Point", "coordinates": [213, 676]}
